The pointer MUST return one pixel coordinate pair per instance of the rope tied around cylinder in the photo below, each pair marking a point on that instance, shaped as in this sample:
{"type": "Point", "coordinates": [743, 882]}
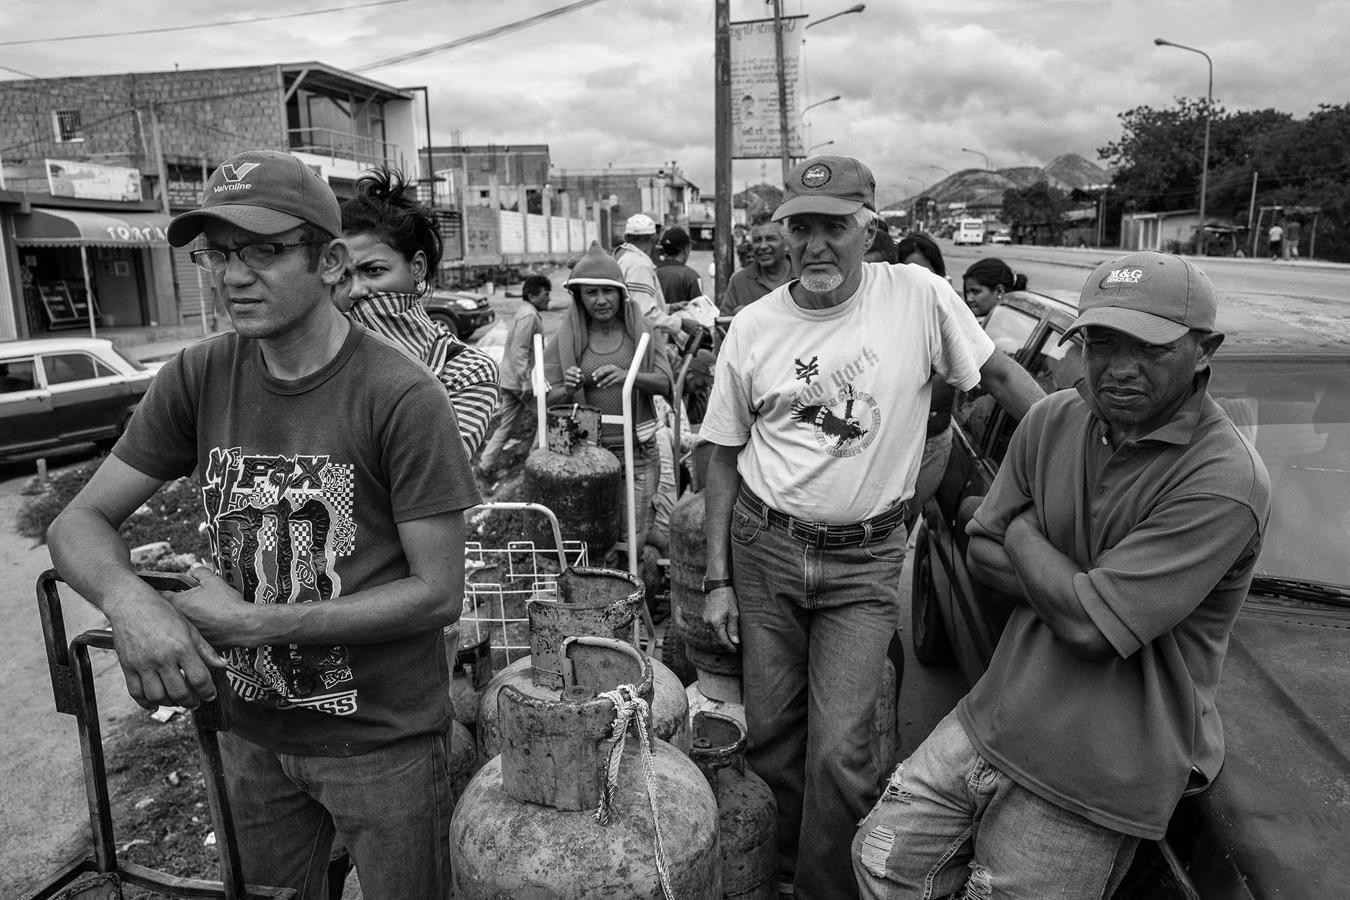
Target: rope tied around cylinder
{"type": "Point", "coordinates": [632, 712]}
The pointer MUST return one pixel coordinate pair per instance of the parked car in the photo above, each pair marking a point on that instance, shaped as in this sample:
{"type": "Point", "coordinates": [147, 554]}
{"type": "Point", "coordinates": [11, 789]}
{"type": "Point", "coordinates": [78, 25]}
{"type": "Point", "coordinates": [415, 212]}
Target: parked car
{"type": "Point", "coordinates": [463, 312]}
{"type": "Point", "coordinates": [55, 392]}
{"type": "Point", "coordinates": [1274, 821]}
{"type": "Point", "coordinates": [1000, 237]}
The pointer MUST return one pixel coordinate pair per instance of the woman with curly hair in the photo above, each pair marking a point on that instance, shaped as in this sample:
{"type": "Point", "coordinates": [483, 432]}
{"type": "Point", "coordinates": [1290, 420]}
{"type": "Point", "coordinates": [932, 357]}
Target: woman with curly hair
{"type": "Point", "coordinates": [394, 246]}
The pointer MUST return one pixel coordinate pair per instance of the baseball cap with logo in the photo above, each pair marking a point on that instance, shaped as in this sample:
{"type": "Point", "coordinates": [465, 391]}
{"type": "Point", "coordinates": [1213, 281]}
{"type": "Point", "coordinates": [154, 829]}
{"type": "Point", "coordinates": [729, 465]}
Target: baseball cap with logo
{"type": "Point", "coordinates": [1152, 296]}
{"type": "Point", "coordinates": [832, 185]}
{"type": "Point", "coordinates": [640, 224]}
{"type": "Point", "coordinates": [265, 192]}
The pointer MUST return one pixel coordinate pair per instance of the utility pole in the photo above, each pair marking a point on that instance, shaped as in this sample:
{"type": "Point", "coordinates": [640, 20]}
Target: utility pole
{"type": "Point", "coordinates": [1251, 210]}
{"type": "Point", "coordinates": [722, 244]}
{"type": "Point", "coordinates": [784, 147]}
{"type": "Point", "coordinates": [161, 167]}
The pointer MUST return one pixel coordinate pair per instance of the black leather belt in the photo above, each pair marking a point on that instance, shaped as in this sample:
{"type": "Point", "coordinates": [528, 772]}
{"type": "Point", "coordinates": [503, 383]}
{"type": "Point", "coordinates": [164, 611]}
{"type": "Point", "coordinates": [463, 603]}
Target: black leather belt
{"type": "Point", "coordinates": [823, 536]}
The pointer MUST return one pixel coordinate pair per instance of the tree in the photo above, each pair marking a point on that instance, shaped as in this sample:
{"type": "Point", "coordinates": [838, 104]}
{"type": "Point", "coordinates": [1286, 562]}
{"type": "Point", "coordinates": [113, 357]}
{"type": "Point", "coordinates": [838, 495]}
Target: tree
{"type": "Point", "coordinates": [1296, 163]}
{"type": "Point", "coordinates": [1036, 211]}
{"type": "Point", "coordinates": [1157, 159]}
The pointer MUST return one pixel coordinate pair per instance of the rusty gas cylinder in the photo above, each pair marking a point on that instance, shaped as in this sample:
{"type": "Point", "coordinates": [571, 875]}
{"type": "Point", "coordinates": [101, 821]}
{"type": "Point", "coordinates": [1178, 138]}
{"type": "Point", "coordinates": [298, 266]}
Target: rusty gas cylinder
{"type": "Point", "coordinates": [527, 824]}
{"type": "Point", "coordinates": [700, 702]}
{"type": "Point", "coordinates": [463, 757]}
{"type": "Point", "coordinates": [591, 601]}
{"type": "Point", "coordinates": [470, 676]}
{"type": "Point", "coordinates": [576, 478]}
{"type": "Point", "coordinates": [719, 670]}
{"type": "Point", "coordinates": [747, 816]}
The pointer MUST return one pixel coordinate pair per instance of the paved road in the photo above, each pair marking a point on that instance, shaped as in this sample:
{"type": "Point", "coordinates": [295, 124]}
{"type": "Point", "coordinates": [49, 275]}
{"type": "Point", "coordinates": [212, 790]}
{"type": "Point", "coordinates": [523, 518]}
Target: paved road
{"type": "Point", "coordinates": [43, 811]}
{"type": "Point", "coordinates": [1053, 269]}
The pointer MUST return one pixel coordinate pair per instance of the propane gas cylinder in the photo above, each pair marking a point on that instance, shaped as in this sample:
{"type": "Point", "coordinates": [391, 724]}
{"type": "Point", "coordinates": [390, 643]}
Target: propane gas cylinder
{"type": "Point", "coordinates": [747, 816]}
{"type": "Point", "coordinates": [576, 478]}
{"type": "Point", "coordinates": [591, 601]}
{"type": "Point", "coordinates": [529, 823]}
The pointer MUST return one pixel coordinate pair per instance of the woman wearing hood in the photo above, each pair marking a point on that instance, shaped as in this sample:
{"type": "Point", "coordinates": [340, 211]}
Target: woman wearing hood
{"type": "Point", "coordinates": [587, 361]}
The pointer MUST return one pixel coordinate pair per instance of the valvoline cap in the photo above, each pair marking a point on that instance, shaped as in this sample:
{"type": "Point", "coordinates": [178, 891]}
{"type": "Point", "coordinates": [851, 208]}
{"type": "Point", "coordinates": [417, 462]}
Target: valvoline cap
{"type": "Point", "coordinates": [265, 192]}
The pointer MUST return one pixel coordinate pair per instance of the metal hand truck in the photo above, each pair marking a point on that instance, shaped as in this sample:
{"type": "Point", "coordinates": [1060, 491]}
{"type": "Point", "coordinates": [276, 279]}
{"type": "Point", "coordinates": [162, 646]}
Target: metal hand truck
{"type": "Point", "coordinates": [101, 875]}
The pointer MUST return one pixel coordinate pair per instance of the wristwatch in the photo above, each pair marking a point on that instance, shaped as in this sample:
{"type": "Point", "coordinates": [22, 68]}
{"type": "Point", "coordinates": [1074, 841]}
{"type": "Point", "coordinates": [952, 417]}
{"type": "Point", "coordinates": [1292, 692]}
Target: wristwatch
{"type": "Point", "coordinates": [712, 584]}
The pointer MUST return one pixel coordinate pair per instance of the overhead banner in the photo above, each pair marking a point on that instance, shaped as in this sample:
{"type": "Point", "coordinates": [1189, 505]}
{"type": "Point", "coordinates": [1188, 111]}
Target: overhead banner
{"type": "Point", "coordinates": [87, 181]}
{"type": "Point", "coordinates": [754, 88]}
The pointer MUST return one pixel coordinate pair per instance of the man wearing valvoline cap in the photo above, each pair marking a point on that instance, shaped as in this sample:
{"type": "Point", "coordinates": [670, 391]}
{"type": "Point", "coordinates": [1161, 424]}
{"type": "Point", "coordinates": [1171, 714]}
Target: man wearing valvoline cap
{"type": "Point", "coordinates": [333, 479]}
{"type": "Point", "coordinates": [818, 414]}
{"type": "Point", "coordinates": [1125, 523]}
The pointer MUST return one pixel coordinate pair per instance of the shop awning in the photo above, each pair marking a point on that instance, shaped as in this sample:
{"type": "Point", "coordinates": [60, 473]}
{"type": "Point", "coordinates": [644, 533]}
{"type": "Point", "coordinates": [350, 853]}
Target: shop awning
{"type": "Point", "coordinates": [81, 228]}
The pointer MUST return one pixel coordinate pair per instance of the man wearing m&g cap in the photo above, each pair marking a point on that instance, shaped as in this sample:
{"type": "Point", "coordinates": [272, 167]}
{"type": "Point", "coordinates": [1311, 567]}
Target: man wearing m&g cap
{"type": "Point", "coordinates": [333, 479]}
{"type": "Point", "coordinates": [818, 414]}
{"type": "Point", "coordinates": [1125, 521]}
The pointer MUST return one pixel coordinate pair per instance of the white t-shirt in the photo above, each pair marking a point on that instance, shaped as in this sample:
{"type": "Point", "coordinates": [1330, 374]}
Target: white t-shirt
{"type": "Point", "coordinates": [832, 404]}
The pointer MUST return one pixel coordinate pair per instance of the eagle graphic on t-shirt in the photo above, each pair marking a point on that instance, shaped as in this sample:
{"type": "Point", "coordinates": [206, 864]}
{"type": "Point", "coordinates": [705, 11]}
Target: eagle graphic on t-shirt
{"type": "Point", "coordinates": [842, 429]}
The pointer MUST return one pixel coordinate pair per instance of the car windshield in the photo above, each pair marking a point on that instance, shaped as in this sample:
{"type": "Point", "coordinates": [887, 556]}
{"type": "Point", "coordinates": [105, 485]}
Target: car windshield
{"type": "Point", "coordinates": [1297, 413]}
{"type": "Point", "coordinates": [131, 360]}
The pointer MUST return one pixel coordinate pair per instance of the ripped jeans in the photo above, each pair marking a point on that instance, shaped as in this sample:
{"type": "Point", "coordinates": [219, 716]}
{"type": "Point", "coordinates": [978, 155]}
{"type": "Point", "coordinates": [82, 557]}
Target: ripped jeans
{"type": "Point", "coordinates": [949, 823]}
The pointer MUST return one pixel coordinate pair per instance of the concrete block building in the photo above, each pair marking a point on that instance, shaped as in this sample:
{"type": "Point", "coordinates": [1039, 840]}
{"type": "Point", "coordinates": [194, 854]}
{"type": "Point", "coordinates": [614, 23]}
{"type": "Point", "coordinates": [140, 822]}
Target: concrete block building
{"type": "Point", "coordinates": [92, 167]}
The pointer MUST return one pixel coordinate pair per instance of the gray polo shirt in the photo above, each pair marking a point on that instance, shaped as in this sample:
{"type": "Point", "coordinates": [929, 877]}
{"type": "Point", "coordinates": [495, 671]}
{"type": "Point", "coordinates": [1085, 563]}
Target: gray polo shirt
{"type": "Point", "coordinates": [1165, 531]}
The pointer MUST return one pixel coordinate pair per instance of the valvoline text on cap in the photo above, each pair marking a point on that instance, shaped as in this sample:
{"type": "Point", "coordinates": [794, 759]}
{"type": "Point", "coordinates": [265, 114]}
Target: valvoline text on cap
{"type": "Point", "coordinates": [816, 176]}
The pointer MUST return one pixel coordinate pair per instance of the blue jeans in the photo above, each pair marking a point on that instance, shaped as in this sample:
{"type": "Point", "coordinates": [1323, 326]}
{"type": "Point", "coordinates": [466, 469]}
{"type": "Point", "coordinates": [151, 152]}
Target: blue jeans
{"type": "Point", "coordinates": [815, 626]}
{"type": "Point", "coordinates": [949, 820]}
{"type": "Point", "coordinates": [390, 808]}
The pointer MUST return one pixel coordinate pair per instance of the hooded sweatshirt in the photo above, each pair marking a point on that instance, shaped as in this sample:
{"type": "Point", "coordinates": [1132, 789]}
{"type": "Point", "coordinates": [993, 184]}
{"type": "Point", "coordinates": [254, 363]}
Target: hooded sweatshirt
{"type": "Point", "coordinates": [569, 345]}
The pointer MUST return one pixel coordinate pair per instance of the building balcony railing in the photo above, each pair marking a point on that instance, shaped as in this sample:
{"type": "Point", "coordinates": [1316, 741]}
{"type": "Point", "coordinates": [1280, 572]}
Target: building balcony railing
{"type": "Point", "coordinates": [368, 151]}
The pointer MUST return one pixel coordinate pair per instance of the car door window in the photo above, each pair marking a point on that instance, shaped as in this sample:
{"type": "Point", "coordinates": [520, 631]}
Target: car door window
{"type": "Point", "coordinates": [976, 411]}
{"type": "Point", "coordinates": [1009, 328]}
{"type": "Point", "coordinates": [1057, 366]}
{"type": "Point", "coordinates": [64, 368]}
{"type": "Point", "coordinates": [17, 375]}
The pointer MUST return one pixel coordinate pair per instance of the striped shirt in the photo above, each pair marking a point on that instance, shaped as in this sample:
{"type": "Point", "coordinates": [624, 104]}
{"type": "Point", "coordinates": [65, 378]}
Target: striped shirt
{"type": "Point", "coordinates": [468, 374]}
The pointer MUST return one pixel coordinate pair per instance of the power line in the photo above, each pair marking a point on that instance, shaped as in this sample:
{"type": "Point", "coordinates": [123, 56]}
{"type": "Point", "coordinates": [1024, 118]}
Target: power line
{"type": "Point", "coordinates": [108, 34]}
{"type": "Point", "coordinates": [480, 36]}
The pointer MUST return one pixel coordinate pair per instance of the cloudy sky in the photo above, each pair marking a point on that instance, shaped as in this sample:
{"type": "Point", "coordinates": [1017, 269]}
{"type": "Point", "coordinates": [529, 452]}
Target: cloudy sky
{"type": "Point", "coordinates": [629, 82]}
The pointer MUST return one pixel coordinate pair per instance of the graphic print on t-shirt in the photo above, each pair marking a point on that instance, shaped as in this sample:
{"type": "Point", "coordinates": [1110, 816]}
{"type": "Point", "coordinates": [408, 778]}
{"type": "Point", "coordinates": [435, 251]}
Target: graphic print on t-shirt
{"type": "Point", "coordinates": [278, 525]}
{"type": "Point", "coordinates": [845, 419]}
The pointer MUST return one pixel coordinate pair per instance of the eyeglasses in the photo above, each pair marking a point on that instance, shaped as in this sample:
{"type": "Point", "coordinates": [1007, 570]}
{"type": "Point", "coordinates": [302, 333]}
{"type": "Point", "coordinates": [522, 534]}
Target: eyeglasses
{"type": "Point", "coordinates": [255, 256]}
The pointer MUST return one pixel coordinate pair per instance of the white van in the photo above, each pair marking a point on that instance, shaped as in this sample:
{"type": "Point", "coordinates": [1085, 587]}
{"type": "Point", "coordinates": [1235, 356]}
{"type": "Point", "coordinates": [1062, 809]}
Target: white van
{"type": "Point", "coordinates": [969, 231]}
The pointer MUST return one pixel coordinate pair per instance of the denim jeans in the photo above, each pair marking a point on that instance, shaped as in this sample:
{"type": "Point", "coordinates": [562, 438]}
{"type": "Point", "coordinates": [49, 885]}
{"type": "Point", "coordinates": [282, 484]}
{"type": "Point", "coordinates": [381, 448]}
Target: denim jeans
{"type": "Point", "coordinates": [390, 808]}
{"type": "Point", "coordinates": [949, 820]}
{"type": "Point", "coordinates": [815, 626]}
{"type": "Point", "coordinates": [511, 408]}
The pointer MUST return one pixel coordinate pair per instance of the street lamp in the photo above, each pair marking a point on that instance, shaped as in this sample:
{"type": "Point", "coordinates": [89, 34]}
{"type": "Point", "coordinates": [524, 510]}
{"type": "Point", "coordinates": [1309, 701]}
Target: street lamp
{"type": "Point", "coordinates": [810, 106]}
{"type": "Point", "coordinates": [814, 146]}
{"type": "Point", "coordinates": [1204, 162]}
{"type": "Point", "coordinates": [857, 8]}
{"type": "Point", "coordinates": [987, 167]}
{"type": "Point", "coordinates": [807, 124]}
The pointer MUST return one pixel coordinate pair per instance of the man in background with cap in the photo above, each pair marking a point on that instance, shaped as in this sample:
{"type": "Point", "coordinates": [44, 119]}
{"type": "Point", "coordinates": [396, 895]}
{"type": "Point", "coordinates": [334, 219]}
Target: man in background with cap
{"type": "Point", "coordinates": [679, 283]}
{"type": "Point", "coordinates": [1125, 523]}
{"type": "Point", "coordinates": [333, 479]}
{"type": "Point", "coordinates": [817, 413]}
{"type": "Point", "coordinates": [635, 260]}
